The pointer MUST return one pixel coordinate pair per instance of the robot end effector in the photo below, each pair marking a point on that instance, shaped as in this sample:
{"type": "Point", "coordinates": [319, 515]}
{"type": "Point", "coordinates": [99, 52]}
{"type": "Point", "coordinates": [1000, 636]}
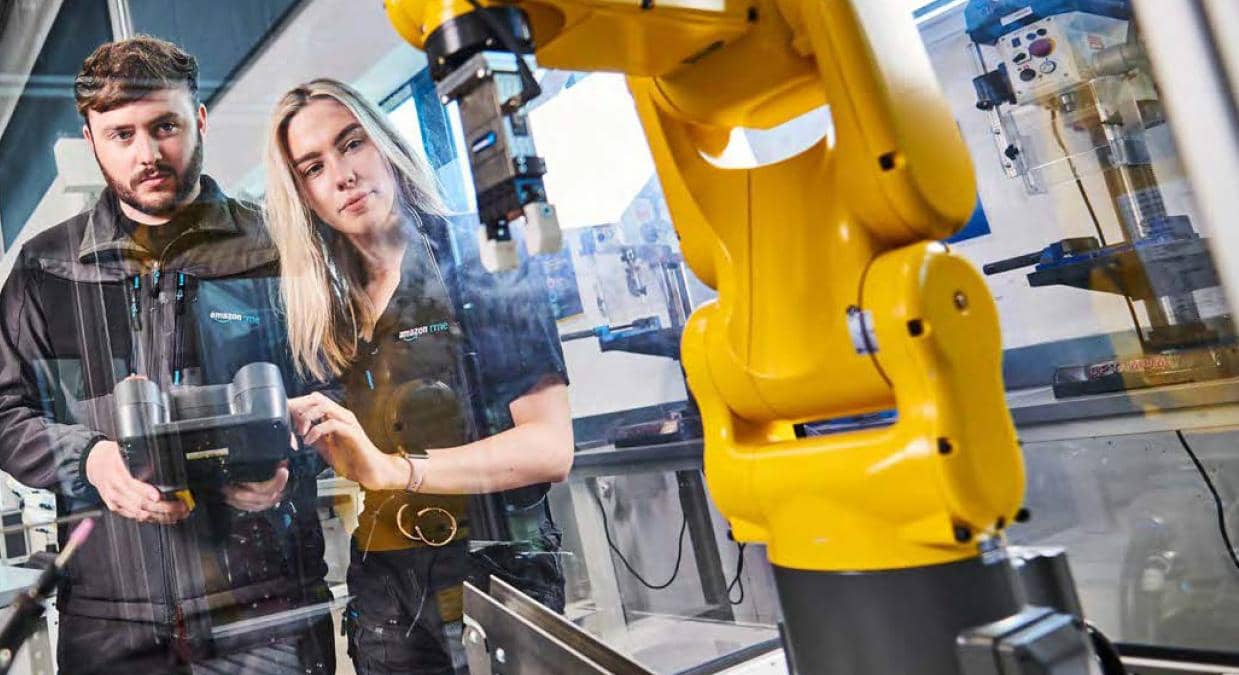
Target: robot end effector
{"type": "Point", "coordinates": [492, 88]}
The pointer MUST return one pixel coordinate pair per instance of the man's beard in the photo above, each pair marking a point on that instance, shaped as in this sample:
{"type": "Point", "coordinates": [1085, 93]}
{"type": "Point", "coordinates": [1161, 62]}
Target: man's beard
{"type": "Point", "coordinates": [163, 203]}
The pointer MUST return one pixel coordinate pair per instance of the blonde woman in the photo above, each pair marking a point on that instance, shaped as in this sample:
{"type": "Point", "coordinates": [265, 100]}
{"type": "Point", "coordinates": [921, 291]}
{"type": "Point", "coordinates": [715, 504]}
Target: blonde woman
{"type": "Point", "coordinates": [369, 303]}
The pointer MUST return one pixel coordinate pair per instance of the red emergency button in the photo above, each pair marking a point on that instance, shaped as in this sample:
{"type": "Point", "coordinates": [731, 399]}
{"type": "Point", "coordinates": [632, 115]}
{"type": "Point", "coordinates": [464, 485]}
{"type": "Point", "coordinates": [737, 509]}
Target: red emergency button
{"type": "Point", "coordinates": [1041, 48]}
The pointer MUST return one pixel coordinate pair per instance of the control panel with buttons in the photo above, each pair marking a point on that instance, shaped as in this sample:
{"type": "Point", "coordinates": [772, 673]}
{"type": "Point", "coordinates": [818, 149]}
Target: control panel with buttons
{"type": "Point", "coordinates": [1054, 54]}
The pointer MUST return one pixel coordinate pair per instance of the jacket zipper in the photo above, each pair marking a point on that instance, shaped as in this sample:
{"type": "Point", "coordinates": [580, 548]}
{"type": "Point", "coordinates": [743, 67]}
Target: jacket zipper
{"type": "Point", "coordinates": [171, 604]}
{"type": "Point", "coordinates": [174, 616]}
{"type": "Point", "coordinates": [180, 631]}
{"type": "Point", "coordinates": [144, 342]}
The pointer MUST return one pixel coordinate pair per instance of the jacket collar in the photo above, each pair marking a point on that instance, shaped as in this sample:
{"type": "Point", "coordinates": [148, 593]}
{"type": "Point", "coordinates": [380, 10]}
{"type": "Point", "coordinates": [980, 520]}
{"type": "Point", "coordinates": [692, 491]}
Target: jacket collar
{"type": "Point", "coordinates": [105, 238]}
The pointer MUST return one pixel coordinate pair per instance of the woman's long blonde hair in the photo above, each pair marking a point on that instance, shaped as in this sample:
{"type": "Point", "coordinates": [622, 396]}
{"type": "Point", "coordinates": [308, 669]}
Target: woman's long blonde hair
{"type": "Point", "coordinates": [322, 283]}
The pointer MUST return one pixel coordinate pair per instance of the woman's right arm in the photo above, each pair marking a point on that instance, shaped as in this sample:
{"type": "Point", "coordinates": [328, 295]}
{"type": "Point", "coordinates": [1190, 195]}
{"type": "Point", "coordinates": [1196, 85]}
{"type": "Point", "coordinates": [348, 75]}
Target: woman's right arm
{"type": "Point", "coordinates": [537, 449]}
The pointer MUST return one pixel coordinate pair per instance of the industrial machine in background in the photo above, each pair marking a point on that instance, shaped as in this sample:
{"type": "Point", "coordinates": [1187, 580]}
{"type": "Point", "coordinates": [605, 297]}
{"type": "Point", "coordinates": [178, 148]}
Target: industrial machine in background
{"type": "Point", "coordinates": [1070, 94]}
{"type": "Point", "coordinates": [631, 280]}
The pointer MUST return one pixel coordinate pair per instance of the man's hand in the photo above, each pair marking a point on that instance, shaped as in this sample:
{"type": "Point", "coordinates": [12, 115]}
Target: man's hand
{"type": "Point", "coordinates": [334, 431]}
{"type": "Point", "coordinates": [258, 496]}
{"type": "Point", "coordinates": [125, 495]}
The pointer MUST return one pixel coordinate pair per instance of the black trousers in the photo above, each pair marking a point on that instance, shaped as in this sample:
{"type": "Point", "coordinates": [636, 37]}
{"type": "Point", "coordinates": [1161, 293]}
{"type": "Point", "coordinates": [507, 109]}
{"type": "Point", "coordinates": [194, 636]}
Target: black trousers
{"type": "Point", "coordinates": [405, 613]}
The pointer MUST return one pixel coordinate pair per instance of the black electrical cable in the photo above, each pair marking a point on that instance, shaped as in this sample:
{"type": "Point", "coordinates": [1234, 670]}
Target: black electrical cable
{"type": "Point", "coordinates": [1107, 654]}
{"type": "Point", "coordinates": [737, 581]}
{"type": "Point", "coordinates": [679, 556]}
{"type": "Point", "coordinates": [530, 89]}
{"type": "Point", "coordinates": [1217, 499]}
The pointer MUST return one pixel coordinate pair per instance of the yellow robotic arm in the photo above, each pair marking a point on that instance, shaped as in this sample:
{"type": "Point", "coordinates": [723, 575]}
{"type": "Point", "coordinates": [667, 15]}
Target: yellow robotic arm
{"type": "Point", "coordinates": [834, 296]}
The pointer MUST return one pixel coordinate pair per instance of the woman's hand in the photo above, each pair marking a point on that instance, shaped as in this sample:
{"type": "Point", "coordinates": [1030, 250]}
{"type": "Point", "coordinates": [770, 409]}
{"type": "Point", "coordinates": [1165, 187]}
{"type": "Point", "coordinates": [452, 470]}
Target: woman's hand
{"type": "Point", "coordinates": [334, 432]}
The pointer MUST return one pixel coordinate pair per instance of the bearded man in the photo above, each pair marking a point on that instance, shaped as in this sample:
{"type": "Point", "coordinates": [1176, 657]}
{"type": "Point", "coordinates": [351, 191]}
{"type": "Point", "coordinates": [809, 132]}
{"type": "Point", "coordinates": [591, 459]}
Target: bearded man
{"type": "Point", "coordinates": [168, 279]}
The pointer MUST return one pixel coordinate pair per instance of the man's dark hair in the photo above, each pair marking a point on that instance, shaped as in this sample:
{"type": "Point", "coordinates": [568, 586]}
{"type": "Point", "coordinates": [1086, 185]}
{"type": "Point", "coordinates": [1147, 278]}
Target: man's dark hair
{"type": "Point", "coordinates": [129, 70]}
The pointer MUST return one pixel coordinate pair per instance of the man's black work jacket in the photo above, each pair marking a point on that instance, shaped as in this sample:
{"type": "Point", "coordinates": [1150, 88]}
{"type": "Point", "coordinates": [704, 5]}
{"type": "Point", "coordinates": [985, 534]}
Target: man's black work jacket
{"type": "Point", "coordinates": [86, 306]}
